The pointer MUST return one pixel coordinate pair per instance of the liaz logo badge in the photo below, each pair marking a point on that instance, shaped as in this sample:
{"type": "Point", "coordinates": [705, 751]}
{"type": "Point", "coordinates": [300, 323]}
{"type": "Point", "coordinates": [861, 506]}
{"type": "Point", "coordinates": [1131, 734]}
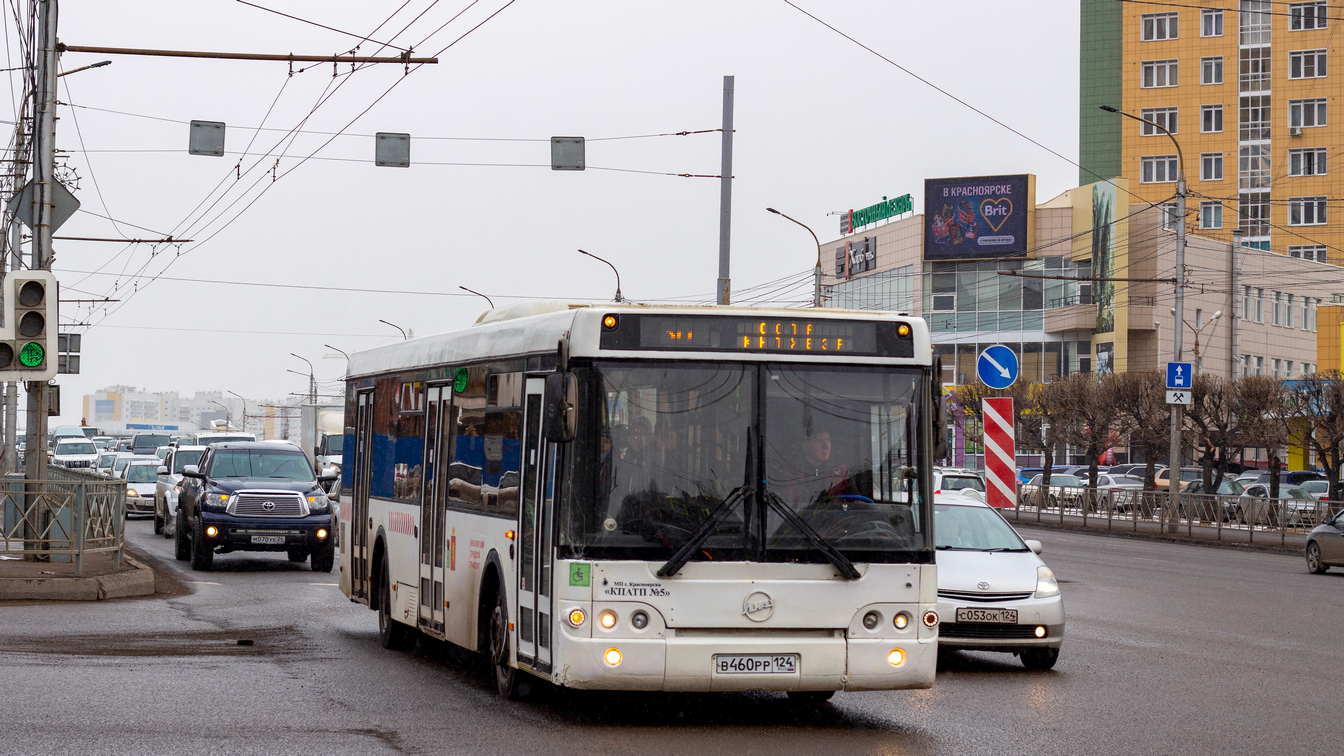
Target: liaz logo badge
{"type": "Point", "coordinates": [758, 606]}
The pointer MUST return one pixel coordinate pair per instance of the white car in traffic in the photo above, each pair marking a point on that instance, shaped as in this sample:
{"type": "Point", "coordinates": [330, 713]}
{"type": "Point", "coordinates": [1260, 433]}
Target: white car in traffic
{"type": "Point", "coordinates": [140, 476]}
{"type": "Point", "coordinates": [994, 592]}
{"type": "Point", "coordinates": [169, 485]}
{"type": "Point", "coordinates": [76, 454]}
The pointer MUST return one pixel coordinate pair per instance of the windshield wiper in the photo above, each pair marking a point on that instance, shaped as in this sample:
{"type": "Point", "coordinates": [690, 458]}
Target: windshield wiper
{"type": "Point", "coordinates": [831, 553]}
{"type": "Point", "coordinates": [683, 555]}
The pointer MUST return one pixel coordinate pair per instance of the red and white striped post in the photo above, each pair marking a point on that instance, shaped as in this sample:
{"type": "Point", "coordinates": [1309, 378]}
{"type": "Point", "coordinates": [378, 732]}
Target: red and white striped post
{"type": "Point", "coordinates": [1000, 451]}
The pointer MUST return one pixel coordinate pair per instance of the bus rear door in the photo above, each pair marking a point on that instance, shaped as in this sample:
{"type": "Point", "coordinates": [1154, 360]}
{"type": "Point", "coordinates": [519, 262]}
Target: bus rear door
{"type": "Point", "coordinates": [534, 563]}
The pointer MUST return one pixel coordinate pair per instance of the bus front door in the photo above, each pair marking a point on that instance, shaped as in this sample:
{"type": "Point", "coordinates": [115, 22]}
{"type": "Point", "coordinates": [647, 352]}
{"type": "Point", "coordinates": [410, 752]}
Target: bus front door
{"type": "Point", "coordinates": [438, 402]}
{"type": "Point", "coordinates": [357, 539]}
{"type": "Point", "coordinates": [534, 563]}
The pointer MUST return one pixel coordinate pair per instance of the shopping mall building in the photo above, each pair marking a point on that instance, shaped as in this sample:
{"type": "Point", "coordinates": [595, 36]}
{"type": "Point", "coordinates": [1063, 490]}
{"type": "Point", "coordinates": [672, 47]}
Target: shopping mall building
{"type": "Point", "coordinates": [1083, 282]}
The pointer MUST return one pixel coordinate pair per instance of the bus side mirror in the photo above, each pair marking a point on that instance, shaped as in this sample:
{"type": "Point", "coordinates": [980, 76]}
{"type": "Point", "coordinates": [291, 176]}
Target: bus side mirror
{"type": "Point", "coordinates": [559, 417]}
{"type": "Point", "coordinates": [941, 445]}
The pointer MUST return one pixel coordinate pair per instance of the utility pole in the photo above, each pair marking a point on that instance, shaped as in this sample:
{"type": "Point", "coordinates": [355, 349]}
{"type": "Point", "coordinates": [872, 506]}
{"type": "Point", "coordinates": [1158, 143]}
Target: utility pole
{"type": "Point", "coordinates": [13, 261]}
{"type": "Point", "coordinates": [726, 191]}
{"type": "Point", "coordinates": [44, 169]}
{"type": "Point", "coordinates": [1235, 325]}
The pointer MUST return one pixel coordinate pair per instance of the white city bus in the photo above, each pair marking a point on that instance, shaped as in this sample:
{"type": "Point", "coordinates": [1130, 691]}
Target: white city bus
{"type": "Point", "coordinates": [652, 498]}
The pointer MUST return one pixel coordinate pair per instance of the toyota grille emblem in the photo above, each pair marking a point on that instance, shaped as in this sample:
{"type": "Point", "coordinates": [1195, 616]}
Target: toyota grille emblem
{"type": "Point", "coordinates": [270, 505]}
{"type": "Point", "coordinates": [981, 586]}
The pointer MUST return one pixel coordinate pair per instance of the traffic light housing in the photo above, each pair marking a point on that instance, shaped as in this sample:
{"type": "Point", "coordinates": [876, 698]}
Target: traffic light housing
{"type": "Point", "coordinates": [30, 327]}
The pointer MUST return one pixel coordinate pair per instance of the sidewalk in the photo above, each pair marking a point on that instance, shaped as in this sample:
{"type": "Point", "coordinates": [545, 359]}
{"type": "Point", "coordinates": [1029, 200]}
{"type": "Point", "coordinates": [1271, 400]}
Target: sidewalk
{"type": "Point", "coordinates": [1212, 534]}
{"type": "Point", "coordinates": [22, 580]}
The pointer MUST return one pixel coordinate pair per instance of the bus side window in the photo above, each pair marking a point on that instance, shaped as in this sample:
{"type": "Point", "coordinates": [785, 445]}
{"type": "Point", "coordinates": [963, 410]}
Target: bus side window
{"type": "Point", "coordinates": [503, 454]}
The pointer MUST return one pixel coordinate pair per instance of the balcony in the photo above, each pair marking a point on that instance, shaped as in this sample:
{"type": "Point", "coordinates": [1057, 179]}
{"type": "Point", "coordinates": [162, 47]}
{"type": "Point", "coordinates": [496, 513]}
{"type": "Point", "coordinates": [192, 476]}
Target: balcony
{"type": "Point", "coordinates": [1141, 313]}
{"type": "Point", "coordinates": [1076, 313]}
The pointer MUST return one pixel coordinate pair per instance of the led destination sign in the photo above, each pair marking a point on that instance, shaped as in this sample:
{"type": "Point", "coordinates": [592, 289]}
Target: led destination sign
{"type": "Point", "coordinates": [709, 333]}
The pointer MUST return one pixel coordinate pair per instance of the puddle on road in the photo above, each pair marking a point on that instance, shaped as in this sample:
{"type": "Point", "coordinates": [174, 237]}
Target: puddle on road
{"type": "Point", "coordinates": [263, 642]}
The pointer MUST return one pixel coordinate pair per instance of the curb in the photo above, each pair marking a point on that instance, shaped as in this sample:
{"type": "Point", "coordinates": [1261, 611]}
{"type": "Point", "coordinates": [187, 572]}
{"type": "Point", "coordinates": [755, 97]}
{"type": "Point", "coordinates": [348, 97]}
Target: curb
{"type": "Point", "coordinates": [137, 581]}
{"type": "Point", "coordinates": [1255, 548]}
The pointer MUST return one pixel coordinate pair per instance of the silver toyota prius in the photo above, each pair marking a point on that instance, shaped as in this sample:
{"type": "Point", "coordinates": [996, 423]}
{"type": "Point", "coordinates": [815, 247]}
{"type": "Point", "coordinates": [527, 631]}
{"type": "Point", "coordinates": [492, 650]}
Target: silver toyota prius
{"type": "Point", "coordinates": [994, 592]}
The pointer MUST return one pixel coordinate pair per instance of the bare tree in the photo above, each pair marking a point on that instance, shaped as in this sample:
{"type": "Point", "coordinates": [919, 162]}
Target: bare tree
{"type": "Point", "coordinates": [1088, 409]}
{"type": "Point", "coordinates": [1214, 415]}
{"type": "Point", "coordinates": [1050, 403]}
{"type": "Point", "coordinates": [1314, 414]}
{"type": "Point", "coordinates": [1143, 416]}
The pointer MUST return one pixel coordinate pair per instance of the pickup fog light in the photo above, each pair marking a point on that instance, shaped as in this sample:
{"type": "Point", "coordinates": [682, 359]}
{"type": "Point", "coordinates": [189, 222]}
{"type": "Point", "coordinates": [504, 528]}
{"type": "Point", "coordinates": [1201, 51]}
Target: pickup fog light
{"type": "Point", "coordinates": [612, 656]}
{"type": "Point", "coordinates": [639, 620]}
{"type": "Point", "coordinates": [896, 658]}
{"type": "Point", "coordinates": [871, 620]}
{"type": "Point", "coordinates": [1046, 585]}
{"type": "Point", "coordinates": [607, 619]}
{"type": "Point", "coordinates": [577, 617]}
{"type": "Point", "coordinates": [211, 531]}
{"type": "Point", "coordinates": [930, 618]}
{"type": "Point", "coordinates": [901, 620]}
{"type": "Point", "coordinates": [321, 533]}
{"type": "Point", "coordinates": [1040, 631]}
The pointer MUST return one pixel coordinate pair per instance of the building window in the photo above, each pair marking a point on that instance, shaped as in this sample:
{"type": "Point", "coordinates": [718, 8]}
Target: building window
{"type": "Point", "coordinates": [1259, 305]}
{"type": "Point", "coordinates": [1159, 26]}
{"type": "Point", "coordinates": [1255, 115]}
{"type": "Point", "coordinates": [1259, 365]}
{"type": "Point", "coordinates": [1158, 169]}
{"type": "Point", "coordinates": [1211, 70]}
{"type": "Point", "coordinates": [1278, 365]}
{"type": "Point", "coordinates": [1288, 310]}
{"type": "Point", "coordinates": [1211, 166]}
{"type": "Point", "coordinates": [1306, 211]}
{"type": "Point", "coordinates": [1254, 69]}
{"type": "Point", "coordinates": [1308, 162]}
{"type": "Point", "coordinates": [1253, 212]}
{"type": "Point", "coordinates": [1158, 73]}
{"type": "Point", "coordinates": [1278, 308]}
{"type": "Point", "coordinates": [1254, 22]}
{"type": "Point", "coordinates": [1304, 114]}
{"type": "Point", "coordinates": [1253, 171]}
{"type": "Point", "coordinates": [1303, 16]}
{"type": "Point", "coordinates": [1210, 215]}
{"type": "Point", "coordinates": [1156, 119]}
{"type": "Point", "coordinates": [1306, 64]}
{"type": "Point", "coordinates": [1211, 23]}
{"type": "Point", "coordinates": [1245, 303]}
{"type": "Point", "coordinates": [1287, 368]}
{"type": "Point", "coordinates": [1315, 308]}
{"type": "Point", "coordinates": [1169, 216]}
{"type": "Point", "coordinates": [1307, 252]}
{"type": "Point", "coordinates": [1246, 365]}
{"type": "Point", "coordinates": [1212, 118]}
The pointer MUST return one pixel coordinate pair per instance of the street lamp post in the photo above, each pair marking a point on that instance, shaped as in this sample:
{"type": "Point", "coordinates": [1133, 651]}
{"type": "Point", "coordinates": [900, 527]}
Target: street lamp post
{"type": "Point", "coordinates": [404, 337]}
{"type": "Point", "coordinates": [312, 379]}
{"type": "Point", "coordinates": [342, 351]}
{"type": "Point", "coordinates": [1199, 360]}
{"type": "Point", "coordinates": [619, 298]}
{"type": "Point", "coordinates": [477, 293]}
{"type": "Point", "coordinates": [240, 396]}
{"type": "Point", "coordinates": [1174, 452]}
{"type": "Point", "coordinates": [228, 414]}
{"type": "Point", "coordinates": [816, 273]}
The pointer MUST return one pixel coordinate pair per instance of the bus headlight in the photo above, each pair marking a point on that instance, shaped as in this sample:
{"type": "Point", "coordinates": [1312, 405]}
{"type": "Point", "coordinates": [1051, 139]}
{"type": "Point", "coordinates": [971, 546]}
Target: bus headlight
{"type": "Point", "coordinates": [901, 620]}
{"type": "Point", "coordinates": [639, 620]}
{"type": "Point", "coordinates": [871, 620]}
{"type": "Point", "coordinates": [607, 619]}
{"type": "Point", "coordinates": [612, 656]}
{"type": "Point", "coordinates": [896, 658]}
{"type": "Point", "coordinates": [577, 617]}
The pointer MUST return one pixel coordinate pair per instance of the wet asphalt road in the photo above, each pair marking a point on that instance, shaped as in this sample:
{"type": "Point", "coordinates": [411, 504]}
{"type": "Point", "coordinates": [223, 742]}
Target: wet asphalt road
{"type": "Point", "coordinates": [1169, 649]}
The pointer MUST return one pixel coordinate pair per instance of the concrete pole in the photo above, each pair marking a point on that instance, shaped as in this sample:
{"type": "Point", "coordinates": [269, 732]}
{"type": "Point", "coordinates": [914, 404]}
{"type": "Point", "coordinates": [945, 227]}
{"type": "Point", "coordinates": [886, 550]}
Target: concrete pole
{"type": "Point", "coordinates": [726, 192]}
{"type": "Point", "coordinates": [1174, 452]}
{"type": "Point", "coordinates": [44, 168]}
{"type": "Point", "coordinates": [1234, 325]}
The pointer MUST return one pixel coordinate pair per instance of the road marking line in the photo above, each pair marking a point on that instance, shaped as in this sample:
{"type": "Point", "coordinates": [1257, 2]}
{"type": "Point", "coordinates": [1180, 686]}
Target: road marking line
{"type": "Point", "coordinates": [331, 584]}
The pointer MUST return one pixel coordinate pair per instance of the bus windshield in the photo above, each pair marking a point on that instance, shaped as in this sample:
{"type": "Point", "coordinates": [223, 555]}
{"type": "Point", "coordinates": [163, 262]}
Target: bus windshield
{"type": "Point", "coordinates": [664, 448]}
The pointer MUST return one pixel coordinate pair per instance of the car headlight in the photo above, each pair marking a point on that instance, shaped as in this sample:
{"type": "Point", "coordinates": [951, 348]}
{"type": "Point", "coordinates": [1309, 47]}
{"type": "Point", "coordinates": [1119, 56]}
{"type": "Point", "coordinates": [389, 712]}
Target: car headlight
{"type": "Point", "coordinates": [131, 491]}
{"type": "Point", "coordinates": [1046, 585]}
{"type": "Point", "coordinates": [318, 502]}
{"type": "Point", "coordinates": [217, 500]}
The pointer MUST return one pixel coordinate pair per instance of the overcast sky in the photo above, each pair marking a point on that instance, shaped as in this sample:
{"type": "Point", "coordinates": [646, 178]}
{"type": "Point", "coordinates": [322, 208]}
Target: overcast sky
{"type": "Point", "coordinates": [821, 125]}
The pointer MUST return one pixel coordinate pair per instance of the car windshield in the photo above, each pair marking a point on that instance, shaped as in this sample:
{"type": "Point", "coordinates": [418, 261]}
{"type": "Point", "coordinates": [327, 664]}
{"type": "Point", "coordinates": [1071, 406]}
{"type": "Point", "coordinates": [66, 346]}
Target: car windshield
{"type": "Point", "coordinates": [959, 482]}
{"type": "Point", "coordinates": [1231, 488]}
{"type": "Point", "coordinates": [1065, 480]}
{"type": "Point", "coordinates": [148, 442]}
{"type": "Point", "coordinates": [121, 464]}
{"type": "Point", "coordinates": [258, 463]}
{"type": "Point", "coordinates": [185, 457]}
{"type": "Point", "coordinates": [212, 440]}
{"type": "Point", "coordinates": [1316, 486]}
{"type": "Point", "coordinates": [106, 460]}
{"type": "Point", "coordinates": [335, 444]}
{"type": "Point", "coordinates": [141, 473]}
{"type": "Point", "coordinates": [959, 527]}
{"type": "Point", "coordinates": [1192, 474]}
{"type": "Point", "coordinates": [1127, 480]}
{"type": "Point", "coordinates": [661, 446]}
{"type": "Point", "coordinates": [1295, 492]}
{"type": "Point", "coordinates": [76, 447]}
{"type": "Point", "coordinates": [161, 452]}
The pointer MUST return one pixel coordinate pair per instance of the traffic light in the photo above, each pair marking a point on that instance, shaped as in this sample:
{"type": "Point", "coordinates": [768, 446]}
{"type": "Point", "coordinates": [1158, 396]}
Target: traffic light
{"type": "Point", "coordinates": [30, 327]}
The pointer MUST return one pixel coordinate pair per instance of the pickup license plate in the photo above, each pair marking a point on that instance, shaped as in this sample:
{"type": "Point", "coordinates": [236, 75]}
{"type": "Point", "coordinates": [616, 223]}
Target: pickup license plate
{"type": "Point", "coordinates": [1000, 616]}
{"type": "Point", "coordinates": [268, 540]}
{"type": "Point", "coordinates": [756, 664]}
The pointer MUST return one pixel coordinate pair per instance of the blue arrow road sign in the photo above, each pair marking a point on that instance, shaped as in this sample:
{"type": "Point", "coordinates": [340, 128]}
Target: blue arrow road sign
{"type": "Point", "coordinates": [1179, 375]}
{"type": "Point", "coordinates": [997, 367]}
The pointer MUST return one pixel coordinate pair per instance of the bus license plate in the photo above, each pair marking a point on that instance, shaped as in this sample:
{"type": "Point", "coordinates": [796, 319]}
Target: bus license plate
{"type": "Point", "coordinates": [1001, 616]}
{"type": "Point", "coordinates": [268, 540]}
{"type": "Point", "coordinates": [756, 664]}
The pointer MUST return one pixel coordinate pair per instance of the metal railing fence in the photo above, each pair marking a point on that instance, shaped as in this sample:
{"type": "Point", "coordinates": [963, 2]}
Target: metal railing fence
{"type": "Point", "coordinates": [1245, 516]}
{"type": "Point", "coordinates": [62, 519]}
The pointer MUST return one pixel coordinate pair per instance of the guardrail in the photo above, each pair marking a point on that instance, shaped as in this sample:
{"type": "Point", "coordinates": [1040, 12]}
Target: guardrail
{"type": "Point", "coordinates": [63, 518]}
{"type": "Point", "coordinates": [1244, 517]}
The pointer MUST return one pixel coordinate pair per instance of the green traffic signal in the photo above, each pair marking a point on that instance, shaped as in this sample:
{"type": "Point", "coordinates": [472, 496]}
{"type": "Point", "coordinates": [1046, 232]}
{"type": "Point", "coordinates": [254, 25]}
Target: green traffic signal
{"type": "Point", "coordinates": [32, 354]}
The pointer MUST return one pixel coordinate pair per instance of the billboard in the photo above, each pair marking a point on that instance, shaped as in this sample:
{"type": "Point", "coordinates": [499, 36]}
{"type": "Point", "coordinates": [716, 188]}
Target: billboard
{"type": "Point", "coordinates": [979, 218]}
{"type": "Point", "coordinates": [857, 256]}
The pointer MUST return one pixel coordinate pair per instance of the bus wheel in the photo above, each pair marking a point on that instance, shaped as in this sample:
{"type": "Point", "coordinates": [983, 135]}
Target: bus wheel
{"type": "Point", "coordinates": [392, 634]}
{"type": "Point", "coordinates": [506, 677]}
{"type": "Point", "coordinates": [810, 696]}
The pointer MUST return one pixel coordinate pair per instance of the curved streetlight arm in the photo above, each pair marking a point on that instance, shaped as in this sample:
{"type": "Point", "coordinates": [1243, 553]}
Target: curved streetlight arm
{"type": "Point", "coordinates": [477, 293]}
{"type": "Point", "coordinates": [816, 296]}
{"type": "Point", "coordinates": [1180, 157]}
{"type": "Point", "coordinates": [619, 298]}
{"type": "Point", "coordinates": [342, 351]}
{"type": "Point", "coordinates": [240, 396]}
{"type": "Point", "coordinates": [404, 337]}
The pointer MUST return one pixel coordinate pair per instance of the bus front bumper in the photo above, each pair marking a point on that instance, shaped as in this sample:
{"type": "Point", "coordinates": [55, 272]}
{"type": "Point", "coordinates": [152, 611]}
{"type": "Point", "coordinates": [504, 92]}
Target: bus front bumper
{"type": "Point", "coordinates": [823, 660]}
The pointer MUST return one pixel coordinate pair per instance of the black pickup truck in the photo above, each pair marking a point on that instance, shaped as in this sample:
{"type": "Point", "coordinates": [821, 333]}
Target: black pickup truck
{"type": "Point", "coordinates": [254, 496]}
